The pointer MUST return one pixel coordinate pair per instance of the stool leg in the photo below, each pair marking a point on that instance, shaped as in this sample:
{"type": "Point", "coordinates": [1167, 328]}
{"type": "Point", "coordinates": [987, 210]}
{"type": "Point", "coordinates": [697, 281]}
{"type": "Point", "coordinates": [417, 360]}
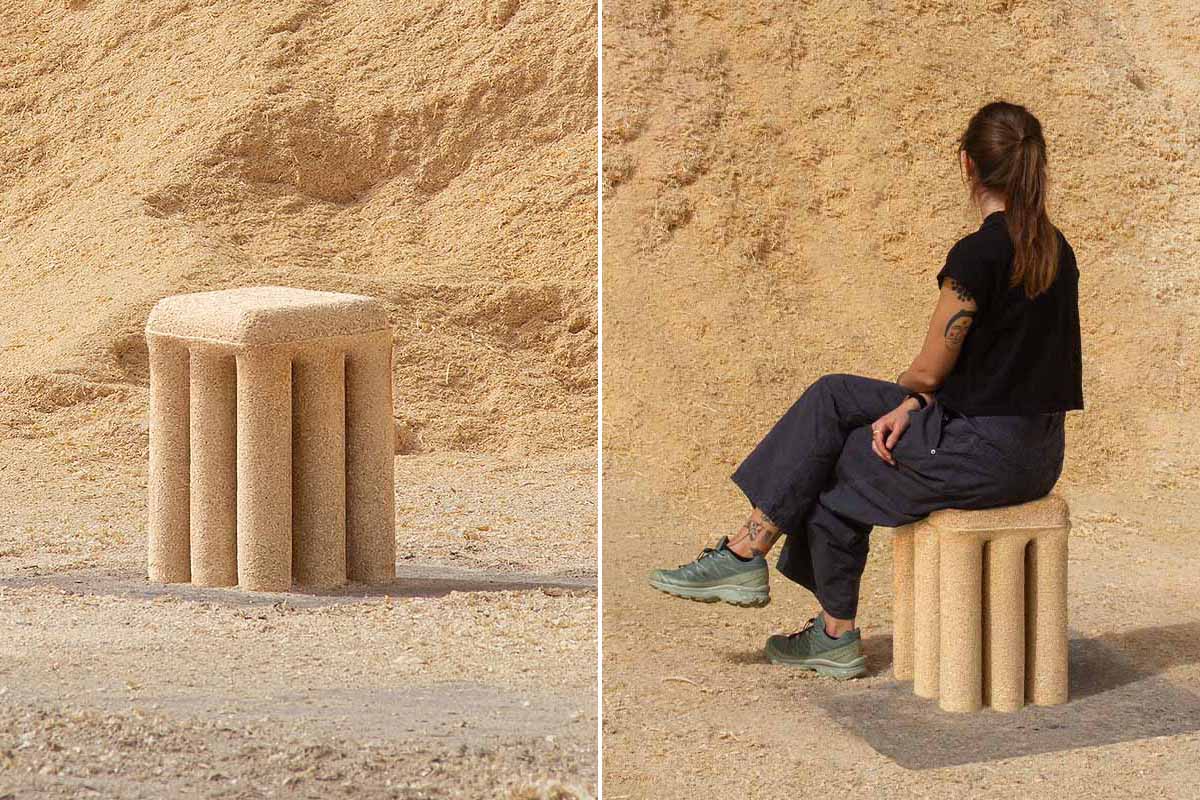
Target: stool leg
{"type": "Point", "coordinates": [168, 537]}
{"type": "Point", "coordinates": [960, 667]}
{"type": "Point", "coordinates": [926, 603]}
{"type": "Point", "coordinates": [1046, 610]}
{"type": "Point", "coordinates": [1004, 624]}
{"type": "Point", "coordinates": [370, 452]}
{"type": "Point", "coordinates": [264, 470]}
{"type": "Point", "coordinates": [214, 467]}
{"type": "Point", "coordinates": [319, 469]}
{"type": "Point", "coordinates": [902, 603]}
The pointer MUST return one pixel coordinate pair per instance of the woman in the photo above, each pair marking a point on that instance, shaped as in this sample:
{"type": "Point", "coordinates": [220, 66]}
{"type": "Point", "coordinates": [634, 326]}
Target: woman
{"type": "Point", "coordinates": [975, 421]}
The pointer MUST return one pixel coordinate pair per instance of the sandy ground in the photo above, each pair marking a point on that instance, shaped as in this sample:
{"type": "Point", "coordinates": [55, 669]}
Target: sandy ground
{"type": "Point", "coordinates": [780, 190]}
{"type": "Point", "coordinates": [473, 675]}
{"type": "Point", "coordinates": [691, 705]}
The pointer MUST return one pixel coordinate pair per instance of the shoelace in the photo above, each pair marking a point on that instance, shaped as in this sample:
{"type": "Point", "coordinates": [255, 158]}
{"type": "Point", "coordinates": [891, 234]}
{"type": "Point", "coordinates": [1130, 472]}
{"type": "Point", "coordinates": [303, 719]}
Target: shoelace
{"type": "Point", "coordinates": [705, 553]}
{"type": "Point", "coordinates": [807, 627]}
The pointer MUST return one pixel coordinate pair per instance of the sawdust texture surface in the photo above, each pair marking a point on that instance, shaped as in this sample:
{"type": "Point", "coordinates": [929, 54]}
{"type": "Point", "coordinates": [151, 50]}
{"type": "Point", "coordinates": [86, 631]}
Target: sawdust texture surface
{"type": "Point", "coordinates": [439, 157]}
{"type": "Point", "coordinates": [781, 188]}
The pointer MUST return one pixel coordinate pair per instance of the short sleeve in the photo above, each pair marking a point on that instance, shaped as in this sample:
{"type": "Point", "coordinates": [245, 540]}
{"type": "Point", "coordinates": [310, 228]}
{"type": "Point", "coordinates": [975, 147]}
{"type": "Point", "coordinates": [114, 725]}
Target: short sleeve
{"type": "Point", "coordinates": [973, 274]}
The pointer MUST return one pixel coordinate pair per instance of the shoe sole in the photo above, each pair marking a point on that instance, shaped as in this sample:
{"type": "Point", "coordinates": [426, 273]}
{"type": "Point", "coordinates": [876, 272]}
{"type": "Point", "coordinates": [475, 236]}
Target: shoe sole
{"type": "Point", "coordinates": [822, 666]}
{"type": "Point", "coordinates": [733, 595]}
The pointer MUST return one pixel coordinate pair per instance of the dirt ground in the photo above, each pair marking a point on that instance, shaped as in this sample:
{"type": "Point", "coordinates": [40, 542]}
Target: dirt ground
{"type": "Point", "coordinates": [472, 675]}
{"type": "Point", "coordinates": [781, 188]}
{"type": "Point", "coordinates": [690, 705]}
{"type": "Point", "coordinates": [440, 157]}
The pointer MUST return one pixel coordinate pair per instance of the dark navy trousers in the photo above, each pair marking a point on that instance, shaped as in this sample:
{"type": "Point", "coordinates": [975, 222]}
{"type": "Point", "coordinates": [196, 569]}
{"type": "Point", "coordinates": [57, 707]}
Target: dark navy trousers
{"type": "Point", "coordinates": [816, 477]}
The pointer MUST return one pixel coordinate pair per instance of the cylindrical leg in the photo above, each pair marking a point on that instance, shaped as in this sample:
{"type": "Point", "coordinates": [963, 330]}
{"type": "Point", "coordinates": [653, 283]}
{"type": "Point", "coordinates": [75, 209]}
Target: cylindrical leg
{"type": "Point", "coordinates": [960, 668]}
{"type": "Point", "coordinates": [214, 467]}
{"type": "Point", "coordinates": [319, 469]}
{"type": "Point", "coordinates": [1004, 623]}
{"type": "Point", "coordinates": [370, 449]}
{"type": "Point", "coordinates": [264, 470]}
{"type": "Point", "coordinates": [1046, 621]}
{"type": "Point", "coordinates": [168, 528]}
{"type": "Point", "coordinates": [902, 603]}
{"type": "Point", "coordinates": [926, 604]}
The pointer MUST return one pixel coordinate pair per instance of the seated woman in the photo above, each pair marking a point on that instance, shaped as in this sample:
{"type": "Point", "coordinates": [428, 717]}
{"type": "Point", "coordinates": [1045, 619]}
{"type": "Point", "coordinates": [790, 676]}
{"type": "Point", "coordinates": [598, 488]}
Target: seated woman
{"type": "Point", "coordinates": [975, 421]}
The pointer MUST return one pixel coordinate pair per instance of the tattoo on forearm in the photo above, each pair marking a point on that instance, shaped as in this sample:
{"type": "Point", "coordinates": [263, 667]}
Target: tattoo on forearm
{"type": "Point", "coordinates": [961, 291]}
{"type": "Point", "coordinates": [957, 327]}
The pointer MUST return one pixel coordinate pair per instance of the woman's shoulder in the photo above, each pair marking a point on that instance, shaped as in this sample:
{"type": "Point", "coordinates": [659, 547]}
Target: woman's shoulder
{"type": "Point", "coordinates": [987, 245]}
{"type": "Point", "coordinates": [1066, 252]}
{"type": "Point", "coordinates": [1063, 242]}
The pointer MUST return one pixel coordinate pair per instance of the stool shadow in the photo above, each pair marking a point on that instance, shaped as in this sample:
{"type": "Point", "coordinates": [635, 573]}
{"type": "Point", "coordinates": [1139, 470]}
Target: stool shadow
{"type": "Point", "coordinates": [427, 581]}
{"type": "Point", "coordinates": [441, 581]}
{"type": "Point", "coordinates": [1117, 693]}
{"type": "Point", "coordinates": [1114, 660]}
{"type": "Point", "coordinates": [878, 650]}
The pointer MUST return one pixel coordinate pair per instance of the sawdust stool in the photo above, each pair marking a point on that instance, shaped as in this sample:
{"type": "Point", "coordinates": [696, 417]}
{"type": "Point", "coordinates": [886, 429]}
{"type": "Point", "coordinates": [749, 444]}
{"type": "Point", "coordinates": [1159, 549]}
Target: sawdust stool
{"type": "Point", "coordinates": [980, 606]}
{"type": "Point", "coordinates": [271, 439]}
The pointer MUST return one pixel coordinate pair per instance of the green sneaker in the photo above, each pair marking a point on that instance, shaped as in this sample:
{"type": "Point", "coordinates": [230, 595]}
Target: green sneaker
{"type": "Point", "coordinates": [813, 649]}
{"type": "Point", "coordinates": [717, 574]}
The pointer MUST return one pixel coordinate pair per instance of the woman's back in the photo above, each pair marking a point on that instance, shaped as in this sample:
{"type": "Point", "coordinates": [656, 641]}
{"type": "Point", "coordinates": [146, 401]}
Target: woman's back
{"type": "Point", "coordinates": [1022, 356]}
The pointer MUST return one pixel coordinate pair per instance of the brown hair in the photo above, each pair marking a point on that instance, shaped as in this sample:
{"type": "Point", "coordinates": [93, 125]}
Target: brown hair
{"type": "Point", "coordinates": [1005, 144]}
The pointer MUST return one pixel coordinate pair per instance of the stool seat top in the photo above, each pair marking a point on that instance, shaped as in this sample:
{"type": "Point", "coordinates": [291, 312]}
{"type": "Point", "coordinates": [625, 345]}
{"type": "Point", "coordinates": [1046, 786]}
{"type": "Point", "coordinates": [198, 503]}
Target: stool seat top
{"type": "Point", "coordinates": [262, 315]}
{"type": "Point", "coordinates": [1047, 512]}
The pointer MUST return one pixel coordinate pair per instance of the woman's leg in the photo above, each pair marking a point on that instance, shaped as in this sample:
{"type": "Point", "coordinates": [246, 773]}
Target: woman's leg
{"type": "Point", "coordinates": [782, 478]}
{"type": "Point", "coordinates": [828, 557]}
{"type": "Point", "coordinates": [756, 537]}
{"type": "Point", "coordinates": [794, 462]}
{"type": "Point", "coordinates": [841, 570]}
{"type": "Point", "coordinates": [828, 552]}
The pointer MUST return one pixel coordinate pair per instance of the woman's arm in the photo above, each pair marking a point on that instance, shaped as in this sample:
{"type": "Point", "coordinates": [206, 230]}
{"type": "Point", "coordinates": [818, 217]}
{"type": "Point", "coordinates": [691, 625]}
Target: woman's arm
{"type": "Point", "coordinates": [948, 329]}
{"type": "Point", "coordinates": [952, 319]}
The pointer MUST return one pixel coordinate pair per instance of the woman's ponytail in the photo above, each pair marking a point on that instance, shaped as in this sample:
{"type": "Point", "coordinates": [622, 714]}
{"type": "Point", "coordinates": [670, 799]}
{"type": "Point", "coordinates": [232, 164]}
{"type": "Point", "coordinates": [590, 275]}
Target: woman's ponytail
{"type": "Point", "coordinates": [1005, 144]}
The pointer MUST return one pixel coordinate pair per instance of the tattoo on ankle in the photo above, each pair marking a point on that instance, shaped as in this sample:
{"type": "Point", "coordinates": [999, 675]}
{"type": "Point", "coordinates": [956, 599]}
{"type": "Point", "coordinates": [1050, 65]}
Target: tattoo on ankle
{"type": "Point", "coordinates": [760, 537]}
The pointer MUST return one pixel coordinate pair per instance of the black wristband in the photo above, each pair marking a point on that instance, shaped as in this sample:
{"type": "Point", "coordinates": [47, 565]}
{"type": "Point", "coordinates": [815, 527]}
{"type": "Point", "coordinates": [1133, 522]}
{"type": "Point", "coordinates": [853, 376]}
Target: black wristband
{"type": "Point", "coordinates": [920, 398]}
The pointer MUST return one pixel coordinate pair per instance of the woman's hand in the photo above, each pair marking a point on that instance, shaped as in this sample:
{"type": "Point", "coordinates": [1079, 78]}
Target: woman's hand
{"type": "Point", "coordinates": [888, 429]}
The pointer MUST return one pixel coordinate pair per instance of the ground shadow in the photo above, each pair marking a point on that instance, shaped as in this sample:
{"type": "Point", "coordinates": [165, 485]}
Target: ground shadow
{"type": "Point", "coordinates": [436, 581]}
{"type": "Point", "coordinates": [1133, 655]}
{"type": "Point", "coordinates": [411, 581]}
{"type": "Point", "coordinates": [1117, 694]}
{"type": "Point", "coordinates": [878, 650]}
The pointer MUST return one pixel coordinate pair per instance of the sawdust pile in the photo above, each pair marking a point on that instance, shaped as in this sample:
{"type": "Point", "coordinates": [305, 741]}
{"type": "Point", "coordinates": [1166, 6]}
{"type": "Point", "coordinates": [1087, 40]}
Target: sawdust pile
{"type": "Point", "coordinates": [781, 188]}
{"type": "Point", "coordinates": [440, 157]}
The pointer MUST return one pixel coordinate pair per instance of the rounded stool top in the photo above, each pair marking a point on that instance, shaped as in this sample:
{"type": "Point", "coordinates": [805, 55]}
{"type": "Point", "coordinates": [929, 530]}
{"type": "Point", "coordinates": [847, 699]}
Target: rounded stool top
{"type": "Point", "coordinates": [262, 315]}
{"type": "Point", "coordinates": [1047, 512]}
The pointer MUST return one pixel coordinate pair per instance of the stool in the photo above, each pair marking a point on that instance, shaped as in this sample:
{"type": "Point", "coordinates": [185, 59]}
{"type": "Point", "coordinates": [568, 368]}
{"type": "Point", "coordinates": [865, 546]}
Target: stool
{"type": "Point", "coordinates": [980, 614]}
{"type": "Point", "coordinates": [271, 439]}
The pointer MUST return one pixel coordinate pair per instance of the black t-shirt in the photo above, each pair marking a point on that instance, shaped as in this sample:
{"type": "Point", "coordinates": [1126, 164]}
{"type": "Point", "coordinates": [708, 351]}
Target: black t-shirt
{"type": "Point", "coordinates": [1020, 356]}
